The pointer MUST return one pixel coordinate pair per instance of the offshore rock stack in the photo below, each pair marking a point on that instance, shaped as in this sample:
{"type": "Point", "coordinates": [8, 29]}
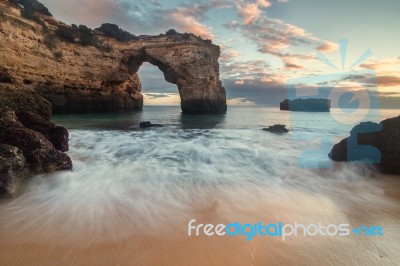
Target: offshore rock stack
{"type": "Point", "coordinates": [306, 105]}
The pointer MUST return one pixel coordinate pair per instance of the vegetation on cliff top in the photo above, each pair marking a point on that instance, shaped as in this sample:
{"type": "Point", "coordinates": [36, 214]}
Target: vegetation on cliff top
{"type": "Point", "coordinates": [33, 10]}
{"type": "Point", "coordinates": [113, 31]}
{"type": "Point", "coordinates": [82, 35]}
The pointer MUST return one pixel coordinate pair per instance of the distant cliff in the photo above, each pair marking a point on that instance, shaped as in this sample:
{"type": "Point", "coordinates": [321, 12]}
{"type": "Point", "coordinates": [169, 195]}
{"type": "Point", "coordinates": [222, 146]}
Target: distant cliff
{"type": "Point", "coordinates": [83, 70]}
{"type": "Point", "coordinates": [306, 105]}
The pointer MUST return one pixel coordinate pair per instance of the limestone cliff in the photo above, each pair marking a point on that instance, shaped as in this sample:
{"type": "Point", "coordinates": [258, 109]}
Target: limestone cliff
{"type": "Point", "coordinates": [82, 70]}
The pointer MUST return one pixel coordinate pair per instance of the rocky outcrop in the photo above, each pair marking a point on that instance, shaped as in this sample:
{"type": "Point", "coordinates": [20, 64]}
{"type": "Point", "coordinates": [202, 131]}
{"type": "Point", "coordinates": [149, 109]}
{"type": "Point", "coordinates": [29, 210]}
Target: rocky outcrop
{"type": "Point", "coordinates": [148, 124]}
{"type": "Point", "coordinates": [12, 169]}
{"type": "Point", "coordinates": [29, 143]}
{"type": "Point", "coordinates": [57, 135]}
{"type": "Point", "coordinates": [82, 70]}
{"type": "Point", "coordinates": [372, 142]}
{"type": "Point", "coordinates": [279, 129]}
{"type": "Point", "coordinates": [306, 105]}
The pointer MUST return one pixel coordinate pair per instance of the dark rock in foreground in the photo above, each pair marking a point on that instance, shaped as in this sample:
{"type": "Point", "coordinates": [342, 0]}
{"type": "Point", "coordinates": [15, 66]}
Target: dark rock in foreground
{"type": "Point", "coordinates": [277, 129]}
{"type": "Point", "coordinates": [12, 169]}
{"type": "Point", "coordinates": [148, 124]}
{"type": "Point", "coordinates": [374, 143]}
{"type": "Point", "coordinates": [113, 31]}
{"type": "Point", "coordinates": [306, 105]}
{"type": "Point", "coordinates": [4, 76]}
{"type": "Point", "coordinates": [29, 143]}
{"type": "Point", "coordinates": [57, 135]}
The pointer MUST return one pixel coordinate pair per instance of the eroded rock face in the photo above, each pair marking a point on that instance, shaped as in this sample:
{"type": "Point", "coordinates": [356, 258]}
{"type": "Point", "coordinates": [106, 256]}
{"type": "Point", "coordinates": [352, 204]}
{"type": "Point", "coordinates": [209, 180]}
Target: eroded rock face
{"type": "Point", "coordinates": [12, 169]}
{"type": "Point", "coordinates": [79, 70]}
{"type": "Point", "coordinates": [39, 151]}
{"type": "Point", "coordinates": [148, 124]}
{"type": "Point", "coordinates": [57, 135]}
{"type": "Point", "coordinates": [29, 143]}
{"type": "Point", "coordinates": [279, 129]}
{"type": "Point", "coordinates": [361, 144]}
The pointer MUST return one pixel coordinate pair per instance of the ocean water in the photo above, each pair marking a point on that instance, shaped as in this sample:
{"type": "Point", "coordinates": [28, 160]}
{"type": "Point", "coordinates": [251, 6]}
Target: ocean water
{"type": "Point", "coordinates": [127, 180]}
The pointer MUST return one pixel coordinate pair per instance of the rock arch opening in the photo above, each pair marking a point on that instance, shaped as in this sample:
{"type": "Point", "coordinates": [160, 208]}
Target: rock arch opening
{"type": "Point", "coordinates": [193, 67]}
{"type": "Point", "coordinates": [155, 89]}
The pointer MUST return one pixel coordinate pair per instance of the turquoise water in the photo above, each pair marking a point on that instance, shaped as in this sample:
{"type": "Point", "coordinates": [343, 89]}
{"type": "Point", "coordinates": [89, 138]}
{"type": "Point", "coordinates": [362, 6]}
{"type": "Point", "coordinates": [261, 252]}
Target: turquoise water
{"type": "Point", "coordinates": [127, 179]}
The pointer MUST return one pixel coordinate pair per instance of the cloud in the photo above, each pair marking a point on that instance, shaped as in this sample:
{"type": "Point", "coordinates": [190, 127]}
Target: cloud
{"type": "Point", "coordinates": [372, 80]}
{"type": "Point", "coordinates": [385, 65]}
{"type": "Point", "coordinates": [386, 73]}
{"type": "Point", "coordinates": [388, 81]}
{"type": "Point", "coordinates": [263, 3]}
{"type": "Point", "coordinates": [239, 102]}
{"type": "Point", "coordinates": [283, 40]}
{"type": "Point", "coordinates": [250, 69]}
{"type": "Point", "coordinates": [278, 38]}
{"type": "Point", "coordinates": [390, 102]}
{"type": "Point", "coordinates": [228, 55]}
{"type": "Point", "coordinates": [327, 47]}
{"type": "Point", "coordinates": [288, 64]}
{"type": "Point", "coordinates": [256, 92]}
{"type": "Point", "coordinates": [161, 99]}
{"type": "Point", "coordinates": [143, 17]}
{"type": "Point", "coordinates": [153, 80]}
{"type": "Point", "coordinates": [189, 16]}
{"type": "Point", "coordinates": [190, 24]}
{"type": "Point", "coordinates": [274, 36]}
{"type": "Point", "coordinates": [154, 95]}
{"type": "Point", "coordinates": [249, 12]}
{"type": "Point", "coordinates": [232, 25]}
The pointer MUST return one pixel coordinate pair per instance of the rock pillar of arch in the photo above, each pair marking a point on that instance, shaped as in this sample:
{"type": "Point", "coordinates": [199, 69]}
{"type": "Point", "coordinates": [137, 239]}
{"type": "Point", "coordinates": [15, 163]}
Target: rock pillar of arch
{"type": "Point", "coordinates": [187, 61]}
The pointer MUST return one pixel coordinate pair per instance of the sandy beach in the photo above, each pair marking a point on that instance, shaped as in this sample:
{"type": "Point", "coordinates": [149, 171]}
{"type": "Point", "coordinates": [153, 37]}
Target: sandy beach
{"type": "Point", "coordinates": [165, 242]}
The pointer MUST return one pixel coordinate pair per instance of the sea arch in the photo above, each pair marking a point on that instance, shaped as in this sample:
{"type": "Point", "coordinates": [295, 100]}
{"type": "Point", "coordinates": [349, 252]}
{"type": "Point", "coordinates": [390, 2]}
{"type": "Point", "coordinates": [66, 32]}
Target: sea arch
{"type": "Point", "coordinates": [190, 64]}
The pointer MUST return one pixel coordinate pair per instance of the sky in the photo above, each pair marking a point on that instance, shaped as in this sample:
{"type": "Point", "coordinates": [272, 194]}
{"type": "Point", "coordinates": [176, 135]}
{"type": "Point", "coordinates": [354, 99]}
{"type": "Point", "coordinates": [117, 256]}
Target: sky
{"type": "Point", "coordinates": [266, 44]}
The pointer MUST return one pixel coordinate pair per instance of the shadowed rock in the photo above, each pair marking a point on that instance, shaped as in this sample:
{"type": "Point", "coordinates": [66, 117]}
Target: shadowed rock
{"type": "Point", "coordinates": [4, 76]}
{"type": "Point", "coordinates": [57, 135]}
{"type": "Point", "coordinates": [39, 152]}
{"type": "Point", "coordinates": [12, 169]}
{"type": "Point", "coordinates": [372, 143]}
{"type": "Point", "coordinates": [148, 124]}
{"type": "Point", "coordinates": [277, 129]}
{"type": "Point", "coordinates": [29, 143]}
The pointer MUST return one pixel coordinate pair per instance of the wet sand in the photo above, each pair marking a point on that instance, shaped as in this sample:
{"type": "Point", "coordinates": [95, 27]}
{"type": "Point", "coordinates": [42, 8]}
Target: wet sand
{"type": "Point", "coordinates": [165, 242]}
